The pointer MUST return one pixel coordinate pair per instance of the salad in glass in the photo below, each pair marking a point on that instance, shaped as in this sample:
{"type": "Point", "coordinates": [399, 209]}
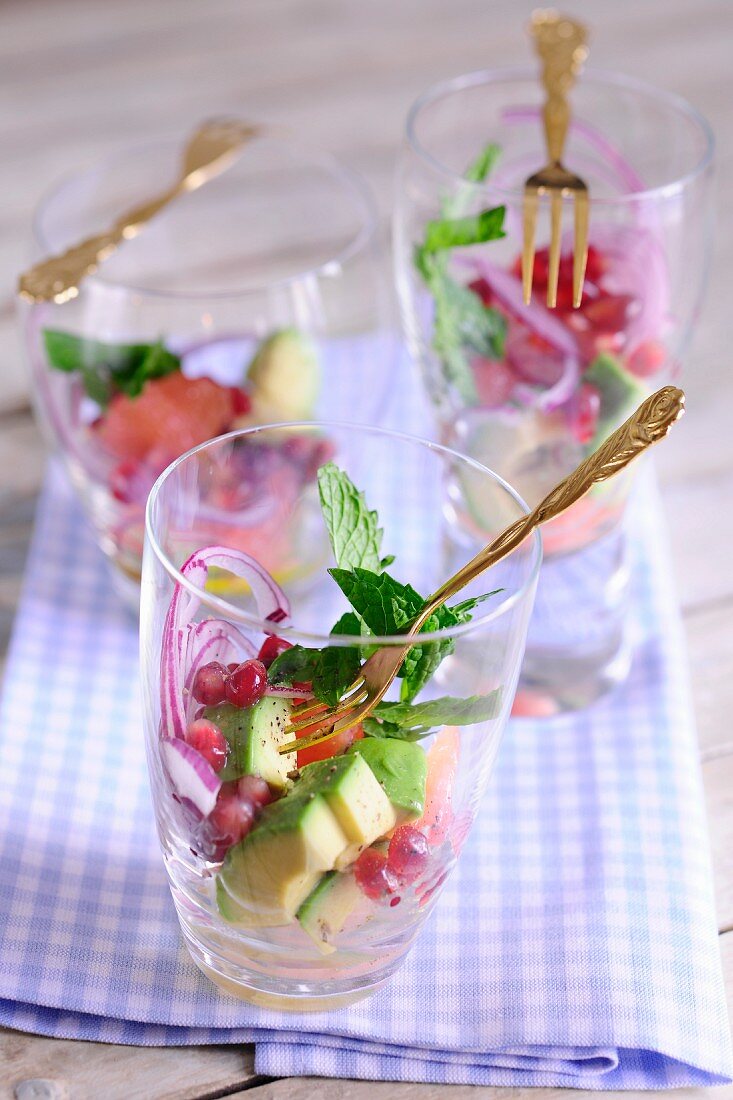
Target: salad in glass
{"type": "Point", "coordinates": [301, 875]}
{"type": "Point", "coordinates": [257, 299]}
{"type": "Point", "coordinates": [529, 390]}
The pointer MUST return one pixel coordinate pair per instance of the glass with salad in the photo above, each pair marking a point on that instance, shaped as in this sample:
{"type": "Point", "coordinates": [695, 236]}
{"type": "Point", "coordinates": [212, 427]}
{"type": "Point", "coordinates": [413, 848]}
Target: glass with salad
{"type": "Point", "coordinates": [302, 877]}
{"type": "Point", "coordinates": [527, 390]}
{"type": "Point", "coordinates": [258, 298]}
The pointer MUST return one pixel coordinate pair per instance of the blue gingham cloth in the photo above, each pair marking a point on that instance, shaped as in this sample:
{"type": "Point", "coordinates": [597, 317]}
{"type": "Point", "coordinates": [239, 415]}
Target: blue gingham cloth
{"type": "Point", "coordinates": [575, 944]}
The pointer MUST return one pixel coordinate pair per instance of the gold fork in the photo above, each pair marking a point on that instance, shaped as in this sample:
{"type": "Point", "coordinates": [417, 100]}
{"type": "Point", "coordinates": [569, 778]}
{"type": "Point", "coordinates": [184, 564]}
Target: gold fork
{"type": "Point", "coordinates": [649, 423]}
{"type": "Point", "coordinates": [210, 149]}
{"type": "Point", "coordinates": [561, 44]}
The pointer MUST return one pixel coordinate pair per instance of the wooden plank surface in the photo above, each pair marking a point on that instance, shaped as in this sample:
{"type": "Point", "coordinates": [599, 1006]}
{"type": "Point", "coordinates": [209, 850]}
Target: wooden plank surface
{"type": "Point", "coordinates": [79, 79]}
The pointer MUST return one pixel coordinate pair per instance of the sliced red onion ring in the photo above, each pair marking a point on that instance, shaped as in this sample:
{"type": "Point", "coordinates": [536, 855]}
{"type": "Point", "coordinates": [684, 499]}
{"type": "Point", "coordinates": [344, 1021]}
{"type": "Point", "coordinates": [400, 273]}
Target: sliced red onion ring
{"type": "Point", "coordinates": [193, 778]}
{"type": "Point", "coordinates": [182, 643]}
{"type": "Point", "coordinates": [508, 290]}
{"type": "Point", "coordinates": [539, 320]}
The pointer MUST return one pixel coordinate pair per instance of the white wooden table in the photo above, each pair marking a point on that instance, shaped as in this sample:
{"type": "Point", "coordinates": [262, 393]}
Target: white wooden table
{"type": "Point", "coordinates": [80, 78]}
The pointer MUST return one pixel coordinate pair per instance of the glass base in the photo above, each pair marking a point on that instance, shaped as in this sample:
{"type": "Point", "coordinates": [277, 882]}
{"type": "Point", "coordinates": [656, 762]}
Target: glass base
{"type": "Point", "coordinates": [552, 683]}
{"type": "Point", "coordinates": [578, 646]}
{"type": "Point", "coordinates": [285, 995]}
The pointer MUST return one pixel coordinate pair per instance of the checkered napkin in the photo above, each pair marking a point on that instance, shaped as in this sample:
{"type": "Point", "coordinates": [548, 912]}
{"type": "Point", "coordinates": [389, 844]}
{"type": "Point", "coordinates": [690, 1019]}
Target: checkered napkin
{"type": "Point", "coordinates": [575, 944]}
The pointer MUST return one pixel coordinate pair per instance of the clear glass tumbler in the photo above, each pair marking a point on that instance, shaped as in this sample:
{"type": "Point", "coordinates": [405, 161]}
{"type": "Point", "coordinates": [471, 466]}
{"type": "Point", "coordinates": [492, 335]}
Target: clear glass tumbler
{"type": "Point", "coordinates": [260, 297]}
{"type": "Point", "coordinates": [526, 390]}
{"type": "Point", "coordinates": [309, 907]}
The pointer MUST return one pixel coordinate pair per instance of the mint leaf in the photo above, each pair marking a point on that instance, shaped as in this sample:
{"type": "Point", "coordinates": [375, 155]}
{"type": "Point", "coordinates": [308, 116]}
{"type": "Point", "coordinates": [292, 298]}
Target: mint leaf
{"type": "Point", "coordinates": [330, 670]}
{"type": "Point", "coordinates": [387, 607]}
{"type": "Point", "coordinates": [108, 368]}
{"type": "Point", "coordinates": [295, 665]}
{"type": "Point", "coordinates": [468, 605]}
{"type": "Point", "coordinates": [487, 225]}
{"type": "Point", "coordinates": [420, 718]}
{"type": "Point", "coordinates": [338, 666]}
{"type": "Point", "coordinates": [477, 326]}
{"type": "Point", "coordinates": [478, 171]}
{"type": "Point", "coordinates": [352, 528]}
{"type": "Point", "coordinates": [383, 603]}
{"type": "Point", "coordinates": [461, 321]}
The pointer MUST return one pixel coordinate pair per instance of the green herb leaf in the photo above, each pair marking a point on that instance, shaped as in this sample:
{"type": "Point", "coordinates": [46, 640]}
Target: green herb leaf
{"type": "Point", "coordinates": [478, 171]}
{"type": "Point", "coordinates": [488, 225]}
{"type": "Point", "coordinates": [384, 604]}
{"type": "Point", "coordinates": [108, 368]}
{"type": "Point", "coordinates": [295, 665]}
{"type": "Point", "coordinates": [387, 606]}
{"type": "Point", "coordinates": [352, 528]}
{"type": "Point", "coordinates": [419, 718]}
{"type": "Point", "coordinates": [339, 665]}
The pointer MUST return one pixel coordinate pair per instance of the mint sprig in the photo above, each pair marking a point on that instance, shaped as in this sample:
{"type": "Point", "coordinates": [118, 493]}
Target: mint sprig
{"type": "Point", "coordinates": [411, 721]}
{"type": "Point", "coordinates": [381, 605]}
{"type": "Point", "coordinates": [462, 323]}
{"type": "Point", "coordinates": [107, 369]}
{"type": "Point", "coordinates": [353, 529]}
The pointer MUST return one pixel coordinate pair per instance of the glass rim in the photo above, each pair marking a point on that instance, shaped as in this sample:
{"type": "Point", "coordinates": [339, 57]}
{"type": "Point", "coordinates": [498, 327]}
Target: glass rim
{"type": "Point", "coordinates": [350, 180]}
{"type": "Point", "coordinates": [292, 632]}
{"type": "Point", "coordinates": [607, 77]}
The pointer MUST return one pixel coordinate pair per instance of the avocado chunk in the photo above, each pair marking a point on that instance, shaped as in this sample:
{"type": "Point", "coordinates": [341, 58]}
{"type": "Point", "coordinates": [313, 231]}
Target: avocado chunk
{"type": "Point", "coordinates": [285, 376]}
{"type": "Point", "coordinates": [326, 910]}
{"type": "Point", "coordinates": [254, 734]}
{"type": "Point", "coordinates": [304, 834]}
{"type": "Point", "coordinates": [401, 770]}
{"type": "Point", "coordinates": [620, 393]}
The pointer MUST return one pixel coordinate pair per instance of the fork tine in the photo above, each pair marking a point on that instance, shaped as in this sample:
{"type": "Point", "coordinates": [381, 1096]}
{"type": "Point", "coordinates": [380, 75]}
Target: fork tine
{"type": "Point", "coordinates": [529, 223]}
{"type": "Point", "coordinates": [555, 242]}
{"type": "Point", "coordinates": [580, 245]}
{"type": "Point", "coordinates": [343, 718]}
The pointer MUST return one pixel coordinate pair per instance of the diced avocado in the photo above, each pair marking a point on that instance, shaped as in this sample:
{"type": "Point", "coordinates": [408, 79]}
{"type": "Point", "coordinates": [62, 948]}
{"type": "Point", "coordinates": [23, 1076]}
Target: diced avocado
{"type": "Point", "coordinates": [401, 769]}
{"type": "Point", "coordinates": [254, 734]}
{"type": "Point", "coordinates": [285, 376]}
{"type": "Point", "coordinates": [235, 913]}
{"type": "Point", "coordinates": [271, 872]}
{"type": "Point", "coordinates": [325, 911]}
{"type": "Point", "coordinates": [361, 807]}
{"type": "Point", "coordinates": [620, 392]}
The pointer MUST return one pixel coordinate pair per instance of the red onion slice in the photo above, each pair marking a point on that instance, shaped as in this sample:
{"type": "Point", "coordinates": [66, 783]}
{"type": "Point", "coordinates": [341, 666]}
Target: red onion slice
{"type": "Point", "coordinates": [183, 643]}
{"type": "Point", "coordinates": [193, 778]}
{"type": "Point", "coordinates": [272, 603]}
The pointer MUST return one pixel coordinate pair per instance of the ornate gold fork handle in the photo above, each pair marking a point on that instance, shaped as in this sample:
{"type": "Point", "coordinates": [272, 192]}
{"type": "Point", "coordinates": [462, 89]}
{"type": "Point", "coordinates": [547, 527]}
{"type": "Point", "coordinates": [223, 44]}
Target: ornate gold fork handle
{"type": "Point", "coordinates": [561, 45]}
{"type": "Point", "coordinates": [646, 426]}
{"type": "Point", "coordinates": [57, 278]}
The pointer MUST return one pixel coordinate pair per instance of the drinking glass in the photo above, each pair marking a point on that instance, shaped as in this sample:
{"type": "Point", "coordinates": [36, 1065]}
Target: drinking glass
{"type": "Point", "coordinates": [197, 606]}
{"type": "Point", "coordinates": [266, 287]}
{"type": "Point", "coordinates": [526, 390]}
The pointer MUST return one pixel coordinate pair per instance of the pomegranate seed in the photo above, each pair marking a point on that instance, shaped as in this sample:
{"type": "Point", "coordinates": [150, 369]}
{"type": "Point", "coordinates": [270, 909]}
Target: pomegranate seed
{"type": "Point", "coordinates": [209, 684]}
{"type": "Point", "coordinates": [129, 482]}
{"type": "Point", "coordinates": [207, 738]}
{"type": "Point", "coordinates": [254, 789]}
{"type": "Point", "coordinates": [481, 288]}
{"type": "Point", "coordinates": [647, 359]}
{"type": "Point", "coordinates": [373, 876]}
{"type": "Point", "coordinates": [229, 821]}
{"type": "Point", "coordinates": [587, 410]}
{"type": "Point", "coordinates": [271, 648]}
{"type": "Point", "coordinates": [241, 401]}
{"type": "Point", "coordinates": [494, 381]}
{"type": "Point", "coordinates": [394, 901]}
{"type": "Point", "coordinates": [246, 684]}
{"type": "Point", "coordinates": [232, 666]}
{"type": "Point", "coordinates": [408, 854]}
